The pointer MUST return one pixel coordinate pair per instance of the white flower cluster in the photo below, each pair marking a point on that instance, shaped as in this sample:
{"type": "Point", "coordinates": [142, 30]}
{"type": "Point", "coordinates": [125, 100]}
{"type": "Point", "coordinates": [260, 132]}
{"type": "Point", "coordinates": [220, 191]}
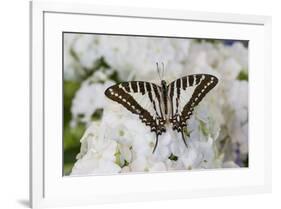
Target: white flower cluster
{"type": "Point", "coordinates": [89, 98]}
{"type": "Point", "coordinates": [119, 142]}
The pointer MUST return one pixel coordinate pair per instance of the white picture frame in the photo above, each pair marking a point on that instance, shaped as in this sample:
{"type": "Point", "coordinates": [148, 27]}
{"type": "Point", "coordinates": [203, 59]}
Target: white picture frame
{"type": "Point", "coordinates": [48, 187]}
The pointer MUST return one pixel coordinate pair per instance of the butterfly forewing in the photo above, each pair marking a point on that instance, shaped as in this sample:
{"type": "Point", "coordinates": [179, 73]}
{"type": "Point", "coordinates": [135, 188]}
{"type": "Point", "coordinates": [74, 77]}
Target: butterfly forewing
{"type": "Point", "coordinates": [141, 98]}
{"type": "Point", "coordinates": [184, 94]}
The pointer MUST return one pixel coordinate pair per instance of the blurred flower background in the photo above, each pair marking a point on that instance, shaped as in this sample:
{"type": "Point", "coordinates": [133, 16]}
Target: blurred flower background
{"type": "Point", "coordinates": [102, 137]}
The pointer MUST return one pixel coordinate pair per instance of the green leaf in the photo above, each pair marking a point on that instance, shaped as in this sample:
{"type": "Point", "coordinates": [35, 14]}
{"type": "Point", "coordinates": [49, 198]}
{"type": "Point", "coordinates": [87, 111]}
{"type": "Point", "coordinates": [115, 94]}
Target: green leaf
{"type": "Point", "coordinates": [74, 55]}
{"type": "Point", "coordinates": [173, 157]}
{"type": "Point", "coordinates": [121, 133]}
{"type": "Point", "coordinates": [71, 136]}
{"type": "Point", "coordinates": [98, 64]}
{"type": "Point", "coordinates": [243, 76]}
{"type": "Point", "coordinates": [212, 41]}
{"type": "Point", "coordinates": [125, 163]}
{"type": "Point", "coordinates": [97, 114]}
{"type": "Point", "coordinates": [118, 157]}
{"type": "Point", "coordinates": [67, 167]}
{"type": "Point", "coordinates": [69, 90]}
{"type": "Point", "coordinates": [203, 128]}
{"type": "Point", "coordinates": [186, 132]}
{"type": "Point", "coordinates": [71, 144]}
{"type": "Point", "coordinates": [115, 77]}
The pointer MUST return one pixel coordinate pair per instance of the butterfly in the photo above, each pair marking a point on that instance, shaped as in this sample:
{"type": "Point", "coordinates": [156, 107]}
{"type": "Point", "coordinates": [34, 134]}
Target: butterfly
{"type": "Point", "coordinates": [157, 105]}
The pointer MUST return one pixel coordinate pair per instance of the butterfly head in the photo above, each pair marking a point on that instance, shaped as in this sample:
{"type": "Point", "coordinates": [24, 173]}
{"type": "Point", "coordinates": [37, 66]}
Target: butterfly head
{"type": "Point", "coordinates": [163, 84]}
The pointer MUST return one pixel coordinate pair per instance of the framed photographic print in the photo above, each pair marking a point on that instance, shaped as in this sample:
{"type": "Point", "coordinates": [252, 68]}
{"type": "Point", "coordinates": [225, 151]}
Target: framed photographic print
{"type": "Point", "coordinates": [134, 105]}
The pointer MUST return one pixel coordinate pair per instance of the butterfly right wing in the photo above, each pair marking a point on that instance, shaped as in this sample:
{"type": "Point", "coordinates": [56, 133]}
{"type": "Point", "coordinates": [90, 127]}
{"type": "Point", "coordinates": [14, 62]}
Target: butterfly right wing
{"type": "Point", "coordinates": [185, 94]}
{"type": "Point", "coordinates": [141, 98]}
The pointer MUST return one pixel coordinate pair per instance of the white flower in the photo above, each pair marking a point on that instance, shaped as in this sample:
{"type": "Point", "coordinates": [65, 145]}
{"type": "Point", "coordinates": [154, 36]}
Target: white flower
{"type": "Point", "coordinates": [238, 52]}
{"type": "Point", "coordinates": [97, 153]}
{"type": "Point", "coordinates": [88, 99]}
{"type": "Point", "coordinates": [238, 95]}
{"type": "Point", "coordinates": [70, 64]}
{"type": "Point", "coordinates": [218, 129]}
{"type": "Point", "coordinates": [230, 69]}
{"type": "Point", "coordinates": [135, 142]}
{"type": "Point", "coordinates": [229, 164]}
{"type": "Point", "coordinates": [238, 120]}
{"type": "Point", "coordinates": [86, 48]}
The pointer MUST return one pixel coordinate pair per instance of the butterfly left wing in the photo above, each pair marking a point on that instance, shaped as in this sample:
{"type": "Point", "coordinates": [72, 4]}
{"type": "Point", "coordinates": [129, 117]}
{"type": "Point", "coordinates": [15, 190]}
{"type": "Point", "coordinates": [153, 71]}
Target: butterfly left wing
{"type": "Point", "coordinates": [185, 94]}
{"type": "Point", "coordinates": [141, 98]}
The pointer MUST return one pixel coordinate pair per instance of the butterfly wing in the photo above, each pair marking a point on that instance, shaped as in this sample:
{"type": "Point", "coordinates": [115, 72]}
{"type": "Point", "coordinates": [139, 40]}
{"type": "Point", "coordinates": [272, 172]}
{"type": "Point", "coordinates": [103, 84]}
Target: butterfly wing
{"type": "Point", "coordinates": [141, 98]}
{"type": "Point", "coordinates": [185, 94]}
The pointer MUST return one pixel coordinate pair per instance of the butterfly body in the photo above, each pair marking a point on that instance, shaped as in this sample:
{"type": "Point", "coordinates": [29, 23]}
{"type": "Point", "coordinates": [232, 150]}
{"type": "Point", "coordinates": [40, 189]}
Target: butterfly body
{"type": "Point", "coordinates": [158, 106]}
{"type": "Point", "coordinates": [165, 95]}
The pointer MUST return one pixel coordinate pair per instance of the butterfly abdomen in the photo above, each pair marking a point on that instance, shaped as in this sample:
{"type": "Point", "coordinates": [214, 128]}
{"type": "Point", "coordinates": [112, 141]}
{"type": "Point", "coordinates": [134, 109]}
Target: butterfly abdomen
{"type": "Point", "coordinates": [165, 95]}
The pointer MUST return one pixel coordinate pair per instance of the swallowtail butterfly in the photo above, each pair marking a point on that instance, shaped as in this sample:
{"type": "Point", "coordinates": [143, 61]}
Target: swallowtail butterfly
{"type": "Point", "coordinates": [159, 105]}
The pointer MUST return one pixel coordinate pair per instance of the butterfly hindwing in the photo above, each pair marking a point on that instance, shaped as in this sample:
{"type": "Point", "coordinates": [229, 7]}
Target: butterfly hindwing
{"type": "Point", "coordinates": [185, 94]}
{"type": "Point", "coordinates": [141, 98]}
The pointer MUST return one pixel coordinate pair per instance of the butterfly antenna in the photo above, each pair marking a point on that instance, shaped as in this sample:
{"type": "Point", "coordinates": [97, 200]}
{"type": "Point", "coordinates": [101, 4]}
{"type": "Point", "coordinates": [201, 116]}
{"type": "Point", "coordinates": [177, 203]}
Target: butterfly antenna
{"type": "Point", "coordinates": [163, 70]}
{"type": "Point", "coordinates": [158, 71]}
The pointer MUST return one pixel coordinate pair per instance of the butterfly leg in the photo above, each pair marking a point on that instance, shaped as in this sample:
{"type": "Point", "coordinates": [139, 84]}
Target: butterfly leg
{"type": "Point", "coordinates": [182, 134]}
{"type": "Point", "coordinates": [155, 144]}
